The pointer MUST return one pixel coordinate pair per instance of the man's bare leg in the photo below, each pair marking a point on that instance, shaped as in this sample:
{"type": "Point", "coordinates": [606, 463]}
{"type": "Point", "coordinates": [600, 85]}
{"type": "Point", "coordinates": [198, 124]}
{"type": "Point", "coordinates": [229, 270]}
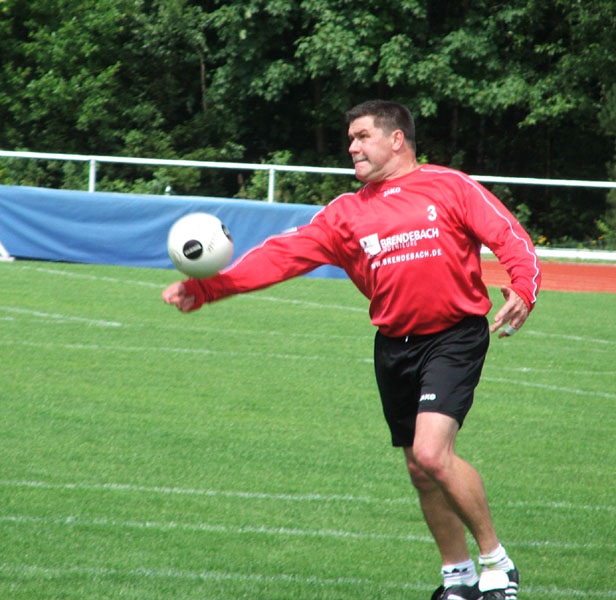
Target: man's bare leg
{"type": "Point", "coordinates": [434, 466]}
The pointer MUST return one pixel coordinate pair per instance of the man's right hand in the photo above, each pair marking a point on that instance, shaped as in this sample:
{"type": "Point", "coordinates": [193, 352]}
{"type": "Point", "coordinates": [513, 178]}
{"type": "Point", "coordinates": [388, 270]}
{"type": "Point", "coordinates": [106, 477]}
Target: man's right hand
{"type": "Point", "coordinates": [175, 294]}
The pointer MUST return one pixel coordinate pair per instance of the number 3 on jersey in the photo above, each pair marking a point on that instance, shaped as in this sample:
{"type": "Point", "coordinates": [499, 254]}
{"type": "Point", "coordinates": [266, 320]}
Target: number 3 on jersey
{"type": "Point", "coordinates": [431, 213]}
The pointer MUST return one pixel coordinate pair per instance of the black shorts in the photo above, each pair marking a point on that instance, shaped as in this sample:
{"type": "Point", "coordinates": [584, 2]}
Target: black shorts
{"type": "Point", "coordinates": [434, 373]}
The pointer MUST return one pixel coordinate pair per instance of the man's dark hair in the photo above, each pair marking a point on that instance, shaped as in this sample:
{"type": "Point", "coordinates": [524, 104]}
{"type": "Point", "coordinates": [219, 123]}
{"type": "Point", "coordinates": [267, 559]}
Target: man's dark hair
{"type": "Point", "coordinates": [388, 116]}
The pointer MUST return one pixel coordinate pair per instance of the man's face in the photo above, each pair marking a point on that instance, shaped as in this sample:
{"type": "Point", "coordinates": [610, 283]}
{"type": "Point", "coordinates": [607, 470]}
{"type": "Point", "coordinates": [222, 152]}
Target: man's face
{"type": "Point", "coordinates": [371, 150]}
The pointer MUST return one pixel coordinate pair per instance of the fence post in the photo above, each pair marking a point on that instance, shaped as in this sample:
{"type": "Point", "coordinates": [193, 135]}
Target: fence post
{"type": "Point", "coordinates": [271, 186]}
{"type": "Point", "coordinates": [92, 180]}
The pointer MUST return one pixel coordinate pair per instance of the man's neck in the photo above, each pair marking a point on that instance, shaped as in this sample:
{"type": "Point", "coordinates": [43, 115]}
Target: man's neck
{"type": "Point", "coordinates": [404, 168]}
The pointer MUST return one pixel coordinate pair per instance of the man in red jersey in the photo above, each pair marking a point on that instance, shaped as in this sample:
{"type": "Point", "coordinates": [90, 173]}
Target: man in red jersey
{"type": "Point", "coordinates": [410, 241]}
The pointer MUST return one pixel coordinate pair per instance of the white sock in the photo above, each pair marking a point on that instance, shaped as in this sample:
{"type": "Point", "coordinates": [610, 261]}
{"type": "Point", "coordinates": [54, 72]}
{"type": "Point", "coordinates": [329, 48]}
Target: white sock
{"type": "Point", "coordinates": [496, 561]}
{"type": "Point", "coordinates": [463, 573]}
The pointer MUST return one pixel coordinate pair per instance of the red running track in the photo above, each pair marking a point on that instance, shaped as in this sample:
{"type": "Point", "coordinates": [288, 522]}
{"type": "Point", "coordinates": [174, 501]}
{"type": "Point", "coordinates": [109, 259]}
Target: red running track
{"type": "Point", "coordinates": [564, 277]}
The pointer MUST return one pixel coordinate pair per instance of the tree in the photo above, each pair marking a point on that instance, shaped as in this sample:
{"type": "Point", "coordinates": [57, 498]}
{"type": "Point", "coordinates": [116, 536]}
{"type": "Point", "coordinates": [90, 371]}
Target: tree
{"type": "Point", "coordinates": [508, 88]}
{"type": "Point", "coordinates": [107, 77]}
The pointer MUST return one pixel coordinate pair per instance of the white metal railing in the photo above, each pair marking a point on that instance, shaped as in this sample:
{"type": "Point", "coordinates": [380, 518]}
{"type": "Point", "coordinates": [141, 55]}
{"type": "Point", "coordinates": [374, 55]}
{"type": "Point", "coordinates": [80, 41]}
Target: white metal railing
{"type": "Point", "coordinates": [272, 169]}
{"type": "Point", "coordinates": [93, 160]}
{"type": "Point", "coordinates": [204, 164]}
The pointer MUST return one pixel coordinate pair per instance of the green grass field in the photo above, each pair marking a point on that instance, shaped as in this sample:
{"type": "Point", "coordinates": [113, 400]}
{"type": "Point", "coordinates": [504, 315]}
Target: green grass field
{"type": "Point", "coordinates": [240, 451]}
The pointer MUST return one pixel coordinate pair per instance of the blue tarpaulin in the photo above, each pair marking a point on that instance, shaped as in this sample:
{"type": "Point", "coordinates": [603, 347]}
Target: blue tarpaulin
{"type": "Point", "coordinates": [129, 229]}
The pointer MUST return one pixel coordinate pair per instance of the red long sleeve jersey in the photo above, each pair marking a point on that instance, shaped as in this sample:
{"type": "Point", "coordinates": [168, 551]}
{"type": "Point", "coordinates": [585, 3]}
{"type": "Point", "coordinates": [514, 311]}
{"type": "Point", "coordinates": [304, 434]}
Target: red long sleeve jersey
{"type": "Point", "coordinates": [411, 245]}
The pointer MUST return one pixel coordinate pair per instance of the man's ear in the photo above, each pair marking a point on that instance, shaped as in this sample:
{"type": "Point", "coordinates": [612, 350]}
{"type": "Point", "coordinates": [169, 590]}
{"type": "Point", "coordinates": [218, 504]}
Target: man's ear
{"type": "Point", "coordinates": [398, 139]}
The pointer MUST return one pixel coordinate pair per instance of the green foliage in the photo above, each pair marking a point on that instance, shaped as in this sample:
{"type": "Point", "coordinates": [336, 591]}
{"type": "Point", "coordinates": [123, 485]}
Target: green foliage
{"type": "Point", "coordinates": [109, 77]}
{"type": "Point", "coordinates": [146, 179]}
{"type": "Point", "coordinates": [508, 90]}
{"type": "Point", "coordinates": [295, 187]}
{"type": "Point", "coordinates": [607, 119]}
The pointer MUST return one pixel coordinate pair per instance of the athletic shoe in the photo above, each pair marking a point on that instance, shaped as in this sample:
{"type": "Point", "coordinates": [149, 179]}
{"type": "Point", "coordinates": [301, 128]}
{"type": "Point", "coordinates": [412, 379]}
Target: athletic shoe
{"type": "Point", "coordinates": [500, 585]}
{"type": "Point", "coordinates": [457, 592]}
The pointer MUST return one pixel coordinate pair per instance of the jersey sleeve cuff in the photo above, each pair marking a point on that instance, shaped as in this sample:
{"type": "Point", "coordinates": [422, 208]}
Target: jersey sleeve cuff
{"type": "Point", "coordinates": [193, 287]}
{"type": "Point", "coordinates": [530, 302]}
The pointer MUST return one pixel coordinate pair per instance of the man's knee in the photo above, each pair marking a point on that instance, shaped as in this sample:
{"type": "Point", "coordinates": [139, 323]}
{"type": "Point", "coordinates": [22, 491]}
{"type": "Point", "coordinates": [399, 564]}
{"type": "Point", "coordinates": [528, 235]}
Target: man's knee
{"type": "Point", "coordinates": [433, 447]}
{"type": "Point", "coordinates": [430, 462]}
{"type": "Point", "coordinates": [420, 477]}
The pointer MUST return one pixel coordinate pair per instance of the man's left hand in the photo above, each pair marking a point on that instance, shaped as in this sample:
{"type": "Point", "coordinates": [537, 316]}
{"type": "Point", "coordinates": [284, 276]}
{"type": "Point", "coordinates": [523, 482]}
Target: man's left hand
{"type": "Point", "coordinates": [512, 314]}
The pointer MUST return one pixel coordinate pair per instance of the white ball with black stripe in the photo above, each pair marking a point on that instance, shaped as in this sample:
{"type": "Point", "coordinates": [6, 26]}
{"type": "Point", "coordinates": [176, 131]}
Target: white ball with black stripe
{"type": "Point", "coordinates": [199, 245]}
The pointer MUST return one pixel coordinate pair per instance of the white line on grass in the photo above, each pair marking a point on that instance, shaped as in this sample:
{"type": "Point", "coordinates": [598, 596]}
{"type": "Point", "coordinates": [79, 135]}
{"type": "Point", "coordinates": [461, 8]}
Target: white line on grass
{"type": "Point", "coordinates": [262, 332]}
{"type": "Point", "coordinates": [167, 490]}
{"type": "Point", "coordinates": [282, 578]}
{"type": "Point", "coordinates": [160, 286]}
{"type": "Point", "coordinates": [313, 497]}
{"type": "Point", "coordinates": [55, 317]}
{"type": "Point", "coordinates": [306, 303]}
{"type": "Point", "coordinates": [261, 297]}
{"type": "Point", "coordinates": [571, 338]}
{"type": "Point", "coordinates": [592, 373]}
{"type": "Point", "coordinates": [103, 522]}
{"type": "Point", "coordinates": [58, 319]}
{"type": "Point", "coordinates": [551, 388]}
{"type": "Point", "coordinates": [218, 576]}
{"type": "Point", "coordinates": [177, 350]}
{"type": "Point", "coordinates": [93, 277]}
{"type": "Point", "coordinates": [237, 354]}
{"type": "Point", "coordinates": [217, 528]}
{"type": "Point", "coordinates": [38, 571]}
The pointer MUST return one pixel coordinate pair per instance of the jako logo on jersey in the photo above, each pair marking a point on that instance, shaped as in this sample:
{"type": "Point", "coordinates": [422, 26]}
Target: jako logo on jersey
{"type": "Point", "coordinates": [371, 244]}
{"type": "Point", "coordinates": [427, 397]}
{"type": "Point", "coordinates": [390, 191]}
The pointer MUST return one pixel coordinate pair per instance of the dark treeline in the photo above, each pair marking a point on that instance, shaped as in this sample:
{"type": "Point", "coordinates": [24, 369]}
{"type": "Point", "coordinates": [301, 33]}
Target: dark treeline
{"type": "Point", "coordinates": [522, 88]}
